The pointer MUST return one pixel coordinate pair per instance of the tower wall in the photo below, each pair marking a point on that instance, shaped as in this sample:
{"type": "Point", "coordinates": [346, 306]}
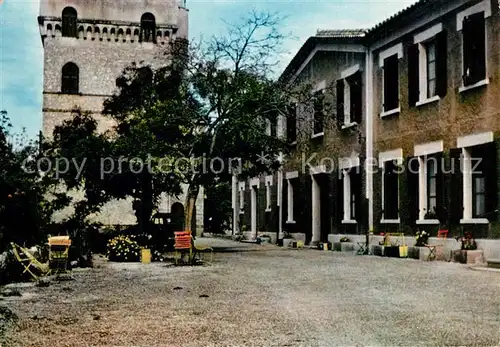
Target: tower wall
{"type": "Point", "coordinates": [107, 40]}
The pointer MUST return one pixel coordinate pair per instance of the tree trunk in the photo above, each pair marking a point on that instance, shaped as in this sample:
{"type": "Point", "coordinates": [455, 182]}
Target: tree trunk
{"type": "Point", "coordinates": [191, 197]}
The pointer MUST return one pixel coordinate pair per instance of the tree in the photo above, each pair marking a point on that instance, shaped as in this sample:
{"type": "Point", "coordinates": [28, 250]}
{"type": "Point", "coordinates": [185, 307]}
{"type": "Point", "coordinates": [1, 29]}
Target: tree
{"type": "Point", "coordinates": [24, 213]}
{"type": "Point", "coordinates": [239, 100]}
{"type": "Point", "coordinates": [208, 107]}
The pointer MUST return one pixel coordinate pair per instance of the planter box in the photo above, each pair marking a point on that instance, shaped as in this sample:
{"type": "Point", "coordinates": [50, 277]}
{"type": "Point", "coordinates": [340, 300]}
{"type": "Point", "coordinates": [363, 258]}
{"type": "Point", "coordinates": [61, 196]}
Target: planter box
{"type": "Point", "coordinates": [414, 252]}
{"type": "Point", "coordinates": [378, 250]}
{"type": "Point", "coordinates": [325, 246]}
{"type": "Point", "coordinates": [468, 257]}
{"type": "Point", "coordinates": [396, 251]}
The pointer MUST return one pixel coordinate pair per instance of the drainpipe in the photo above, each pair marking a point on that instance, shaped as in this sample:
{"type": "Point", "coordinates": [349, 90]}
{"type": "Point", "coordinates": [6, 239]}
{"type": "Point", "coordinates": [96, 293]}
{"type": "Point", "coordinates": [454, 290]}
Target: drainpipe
{"type": "Point", "coordinates": [369, 135]}
{"type": "Point", "coordinates": [369, 143]}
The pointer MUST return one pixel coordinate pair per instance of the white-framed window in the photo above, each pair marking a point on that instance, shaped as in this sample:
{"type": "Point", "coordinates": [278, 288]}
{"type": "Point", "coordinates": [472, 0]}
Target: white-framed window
{"type": "Point", "coordinates": [479, 177]}
{"type": "Point", "coordinates": [390, 162]}
{"type": "Point", "coordinates": [389, 62]}
{"type": "Point", "coordinates": [472, 23]}
{"type": "Point", "coordinates": [351, 188]}
{"type": "Point", "coordinates": [430, 166]}
{"type": "Point", "coordinates": [349, 97]}
{"type": "Point", "coordinates": [430, 81]}
{"type": "Point", "coordinates": [318, 114]}
{"type": "Point", "coordinates": [427, 66]}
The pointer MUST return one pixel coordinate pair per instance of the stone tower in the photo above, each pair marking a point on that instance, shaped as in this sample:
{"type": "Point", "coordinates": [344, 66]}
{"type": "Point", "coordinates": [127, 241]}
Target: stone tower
{"type": "Point", "coordinates": [87, 43]}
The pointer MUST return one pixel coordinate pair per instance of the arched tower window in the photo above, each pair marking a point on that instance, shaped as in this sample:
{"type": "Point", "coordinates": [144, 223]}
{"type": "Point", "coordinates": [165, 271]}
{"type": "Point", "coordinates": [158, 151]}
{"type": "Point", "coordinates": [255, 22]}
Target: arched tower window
{"type": "Point", "coordinates": [148, 28]}
{"type": "Point", "coordinates": [70, 79]}
{"type": "Point", "coordinates": [69, 16]}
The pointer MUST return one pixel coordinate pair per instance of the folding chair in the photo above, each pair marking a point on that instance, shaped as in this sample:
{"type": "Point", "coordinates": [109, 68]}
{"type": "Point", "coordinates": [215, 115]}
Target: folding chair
{"type": "Point", "coordinates": [59, 252]}
{"type": "Point", "coordinates": [183, 244]}
{"type": "Point", "coordinates": [442, 235]}
{"type": "Point", "coordinates": [29, 262]}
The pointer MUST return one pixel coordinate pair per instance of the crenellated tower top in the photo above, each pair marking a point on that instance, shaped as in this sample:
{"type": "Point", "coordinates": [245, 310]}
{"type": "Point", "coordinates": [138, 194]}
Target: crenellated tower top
{"type": "Point", "coordinates": [123, 21]}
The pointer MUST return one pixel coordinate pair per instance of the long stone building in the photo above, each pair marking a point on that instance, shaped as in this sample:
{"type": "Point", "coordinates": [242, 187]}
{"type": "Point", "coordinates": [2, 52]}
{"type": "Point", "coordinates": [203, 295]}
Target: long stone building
{"type": "Point", "coordinates": [412, 133]}
{"type": "Point", "coordinates": [86, 46]}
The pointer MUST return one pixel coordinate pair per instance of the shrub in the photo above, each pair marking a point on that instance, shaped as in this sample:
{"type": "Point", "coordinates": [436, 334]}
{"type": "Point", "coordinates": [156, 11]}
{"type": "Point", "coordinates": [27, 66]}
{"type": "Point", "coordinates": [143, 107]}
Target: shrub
{"type": "Point", "coordinates": [421, 238]}
{"type": "Point", "coordinates": [122, 248]}
{"type": "Point", "coordinates": [345, 239]}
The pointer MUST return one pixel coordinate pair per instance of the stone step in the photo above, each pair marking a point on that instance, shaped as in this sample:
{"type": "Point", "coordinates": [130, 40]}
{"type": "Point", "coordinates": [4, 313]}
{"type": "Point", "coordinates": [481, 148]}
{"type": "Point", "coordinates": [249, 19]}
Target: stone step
{"type": "Point", "coordinates": [494, 263]}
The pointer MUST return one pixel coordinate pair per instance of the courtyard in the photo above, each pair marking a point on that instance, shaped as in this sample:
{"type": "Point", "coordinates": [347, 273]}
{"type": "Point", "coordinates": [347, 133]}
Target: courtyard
{"type": "Point", "coordinates": [262, 295]}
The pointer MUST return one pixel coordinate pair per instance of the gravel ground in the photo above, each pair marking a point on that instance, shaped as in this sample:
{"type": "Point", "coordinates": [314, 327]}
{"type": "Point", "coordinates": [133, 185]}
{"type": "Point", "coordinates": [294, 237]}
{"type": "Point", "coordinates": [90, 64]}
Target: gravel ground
{"type": "Point", "coordinates": [255, 295]}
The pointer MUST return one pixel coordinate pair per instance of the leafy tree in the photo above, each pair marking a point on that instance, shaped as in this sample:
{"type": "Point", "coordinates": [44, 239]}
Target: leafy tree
{"type": "Point", "coordinates": [24, 213]}
{"type": "Point", "coordinates": [224, 103]}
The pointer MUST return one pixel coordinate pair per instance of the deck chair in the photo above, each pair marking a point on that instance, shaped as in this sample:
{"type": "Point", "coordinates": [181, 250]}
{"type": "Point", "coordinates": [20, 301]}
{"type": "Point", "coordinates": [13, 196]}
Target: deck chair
{"type": "Point", "coordinates": [202, 250]}
{"type": "Point", "coordinates": [442, 235]}
{"type": "Point", "coordinates": [29, 262]}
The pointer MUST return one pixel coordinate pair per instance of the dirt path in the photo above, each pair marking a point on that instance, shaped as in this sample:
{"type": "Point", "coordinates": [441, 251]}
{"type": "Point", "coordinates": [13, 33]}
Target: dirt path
{"type": "Point", "coordinates": [263, 296]}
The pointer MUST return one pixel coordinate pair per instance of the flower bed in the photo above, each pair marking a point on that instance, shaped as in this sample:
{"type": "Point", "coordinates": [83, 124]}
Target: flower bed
{"type": "Point", "coordinates": [123, 249]}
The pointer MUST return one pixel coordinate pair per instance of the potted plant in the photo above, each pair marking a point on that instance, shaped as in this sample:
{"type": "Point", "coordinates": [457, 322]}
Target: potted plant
{"type": "Point", "coordinates": [421, 238]}
{"type": "Point", "coordinates": [345, 239]}
{"type": "Point", "coordinates": [468, 252]}
{"type": "Point", "coordinates": [392, 250]}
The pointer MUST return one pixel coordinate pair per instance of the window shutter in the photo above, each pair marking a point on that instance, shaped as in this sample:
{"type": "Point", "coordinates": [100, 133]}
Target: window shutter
{"type": "Point", "coordinates": [338, 205]}
{"type": "Point", "coordinates": [340, 103]}
{"type": "Point", "coordinates": [479, 49]}
{"type": "Point", "coordinates": [440, 190]}
{"type": "Point", "coordinates": [391, 190]}
{"type": "Point", "coordinates": [357, 189]}
{"type": "Point", "coordinates": [303, 207]}
{"type": "Point", "coordinates": [441, 63]}
{"type": "Point", "coordinates": [455, 190]}
{"type": "Point", "coordinates": [412, 165]}
{"type": "Point", "coordinates": [490, 167]}
{"type": "Point", "coordinates": [356, 101]}
{"type": "Point", "coordinates": [413, 74]}
{"type": "Point", "coordinates": [284, 203]}
{"type": "Point", "coordinates": [247, 210]}
{"type": "Point", "coordinates": [291, 123]}
{"type": "Point", "coordinates": [391, 83]}
{"type": "Point", "coordinates": [466, 37]}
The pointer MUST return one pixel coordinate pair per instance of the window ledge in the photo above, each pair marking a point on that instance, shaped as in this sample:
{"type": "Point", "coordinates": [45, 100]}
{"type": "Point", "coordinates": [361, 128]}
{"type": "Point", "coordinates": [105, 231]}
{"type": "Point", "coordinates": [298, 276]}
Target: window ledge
{"type": "Point", "coordinates": [390, 221]}
{"type": "Point", "coordinates": [290, 222]}
{"type": "Point", "coordinates": [475, 85]}
{"type": "Point", "coordinates": [314, 136]}
{"type": "Point", "coordinates": [390, 112]}
{"type": "Point", "coordinates": [428, 221]}
{"type": "Point", "coordinates": [242, 212]}
{"type": "Point", "coordinates": [349, 125]}
{"type": "Point", "coordinates": [428, 101]}
{"type": "Point", "coordinates": [475, 221]}
{"type": "Point", "coordinates": [269, 210]}
{"type": "Point", "coordinates": [349, 221]}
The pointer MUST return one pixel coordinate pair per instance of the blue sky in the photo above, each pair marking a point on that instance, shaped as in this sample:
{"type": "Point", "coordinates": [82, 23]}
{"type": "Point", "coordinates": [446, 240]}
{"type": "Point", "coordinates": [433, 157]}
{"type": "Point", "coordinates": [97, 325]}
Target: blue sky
{"type": "Point", "coordinates": [21, 56]}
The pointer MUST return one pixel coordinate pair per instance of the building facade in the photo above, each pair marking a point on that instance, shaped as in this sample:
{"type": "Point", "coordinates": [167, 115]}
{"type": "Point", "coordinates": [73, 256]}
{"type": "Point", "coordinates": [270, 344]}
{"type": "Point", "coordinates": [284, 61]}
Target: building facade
{"type": "Point", "coordinates": [425, 137]}
{"type": "Point", "coordinates": [87, 44]}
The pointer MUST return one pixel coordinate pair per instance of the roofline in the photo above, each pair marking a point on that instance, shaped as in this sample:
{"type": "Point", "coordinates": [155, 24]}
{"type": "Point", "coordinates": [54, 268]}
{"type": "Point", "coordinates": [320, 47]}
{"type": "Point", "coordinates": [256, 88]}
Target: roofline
{"type": "Point", "coordinates": [308, 47]}
{"type": "Point", "coordinates": [377, 32]}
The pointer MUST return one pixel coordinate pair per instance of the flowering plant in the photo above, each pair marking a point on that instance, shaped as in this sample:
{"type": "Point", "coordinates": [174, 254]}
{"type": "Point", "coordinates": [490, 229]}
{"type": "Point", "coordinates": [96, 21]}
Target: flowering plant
{"type": "Point", "coordinates": [122, 248]}
{"type": "Point", "coordinates": [421, 238]}
{"type": "Point", "coordinates": [345, 239]}
{"type": "Point", "coordinates": [468, 241]}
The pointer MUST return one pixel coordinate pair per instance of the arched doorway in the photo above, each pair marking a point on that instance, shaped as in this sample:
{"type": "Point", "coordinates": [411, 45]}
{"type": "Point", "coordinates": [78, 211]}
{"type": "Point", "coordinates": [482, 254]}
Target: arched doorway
{"type": "Point", "coordinates": [177, 212]}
